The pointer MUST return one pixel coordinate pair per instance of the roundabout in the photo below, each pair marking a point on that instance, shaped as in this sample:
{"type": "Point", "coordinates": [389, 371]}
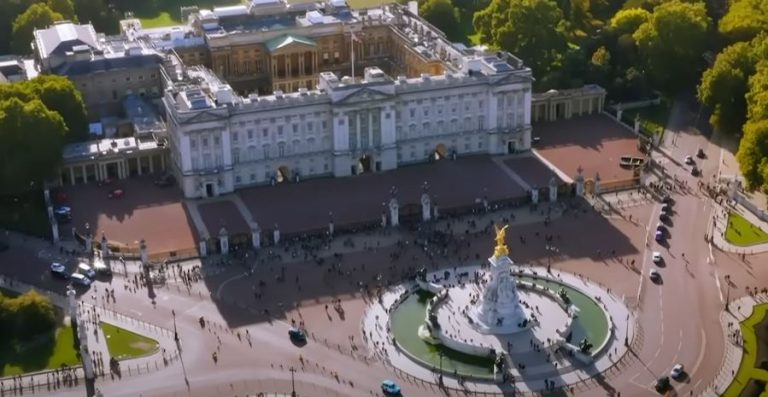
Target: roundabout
{"type": "Point", "coordinates": [499, 325]}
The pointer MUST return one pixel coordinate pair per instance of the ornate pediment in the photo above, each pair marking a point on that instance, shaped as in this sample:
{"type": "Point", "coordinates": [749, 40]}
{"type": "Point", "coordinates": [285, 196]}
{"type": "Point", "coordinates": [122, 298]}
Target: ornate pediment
{"type": "Point", "coordinates": [363, 95]}
{"type": "Point", "coordinates": [205, 116]}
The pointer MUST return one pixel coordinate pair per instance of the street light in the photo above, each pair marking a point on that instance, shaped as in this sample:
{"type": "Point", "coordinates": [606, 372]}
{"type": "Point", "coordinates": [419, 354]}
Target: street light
{"type": "Point", "coordinates": [175, 332]}
{"type": "Point", "coordinates": [293, 384]}
{"type": "Point", "coordinates": [727, 291]}
{"type": "Point", "coordinates": [440, 378]}
{"type": "Point", "coordinates": [549, 248]}
{"type": "Point", "coordinates": [626, 335]}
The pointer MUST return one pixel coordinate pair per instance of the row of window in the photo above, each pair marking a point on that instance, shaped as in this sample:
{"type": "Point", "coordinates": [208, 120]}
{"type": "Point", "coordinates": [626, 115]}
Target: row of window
{"type": "Point", "coordinates": [270, 172]}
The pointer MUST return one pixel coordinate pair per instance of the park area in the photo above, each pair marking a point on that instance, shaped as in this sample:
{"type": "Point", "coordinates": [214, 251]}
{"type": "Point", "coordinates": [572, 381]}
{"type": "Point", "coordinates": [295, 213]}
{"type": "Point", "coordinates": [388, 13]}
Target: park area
{"type": "Point", "coordinates": [34, 336]}
{"type": "Point", "coordinates": [752, 376]}
{"type": "Point", "coordinates": [743, 233]}
{"type": "Point", "coordinates": [123, 344]}
{"type": "Point", "coordinates": [25, 213]}
{"type": "Point", "coordinates": [653, 118]}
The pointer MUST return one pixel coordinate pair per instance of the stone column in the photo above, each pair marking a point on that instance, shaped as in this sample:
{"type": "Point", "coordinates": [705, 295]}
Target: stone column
{"type": "Point", "coordinates": [426, 207]}
{"type": "Point", "coordinates": [636, 128]}
{"type": "Point", "coordinates": [394, 212]}
{"type": "Point", "coordinates": [255, 235]}
{"type": "Point", "coordinates": [203, 248]}
{"type": "Point", "coordinates": [55, 231]}
{"type": "Point", "coordinates": [88, 242]}
{"type": "Point", "coordinates": [596, 190]}
{"type": "Point", "coordinates": [579, 182]}
{"type": "Point", "coordinates": [434, 208]}
{"type": "Point", "coordinates": [619, 112]}
{"type": "Point", "coordinates": [223, 241]}
{"type": "Point", "coordinates": [144, 254]}
{"type": "Point", "coordinates": [535, 195]}
{"type": "Point", "coordinates": [276, 235]}
{"type": "Point", "coordinates": [383, 219]}
{"type": "Point", "coordinates": [104, 247]}
{"type": "Point", "coordinates": [552, 190]}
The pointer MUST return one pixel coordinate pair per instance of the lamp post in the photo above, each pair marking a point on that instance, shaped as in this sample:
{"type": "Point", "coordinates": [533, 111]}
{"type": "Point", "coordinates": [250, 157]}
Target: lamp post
{"type": "Point", "coordinates": [727, 291]}
{"type": "Point", "coordinates": [293, 384]}
{"type": "Point", "coordinates": [175, 332]}
{"type": "Point", "coordinates": [626, 335]}
{"type": "Point", "coordinates": [549, 248]}
{"type": "Point", "coordinates": [440, 377]}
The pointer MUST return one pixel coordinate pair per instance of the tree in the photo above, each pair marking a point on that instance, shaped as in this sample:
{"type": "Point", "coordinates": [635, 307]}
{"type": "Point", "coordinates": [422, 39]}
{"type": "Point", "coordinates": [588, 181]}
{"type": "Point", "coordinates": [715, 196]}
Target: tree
{"type": "Point", "coordinates": [628, 21]}
{"type": "Point", "coordinates": [60, 95]}
{"type": "Point", "coordinates": [32, 137]}
{"type": "Point", "coordinates": [37, 16]}
{"type": "Point", "coordinates": [753, 154]}
{"type": "Point", "coordinates": [530, 29]}
{"type": "Point", "coordinates": [444, 16]}
{"type": "Point", "coordinates": [724, 87]}
{"type": "Point", "coordinates": [672, 43]}
{"type": "Point", "coordinates": [744, 20]}
{"type": "Point", "coordinates": [26, 315]}
{"type": "Point", "coordinates": [102, 16]}
{"type": "Point", "coordinates": [63, 7]}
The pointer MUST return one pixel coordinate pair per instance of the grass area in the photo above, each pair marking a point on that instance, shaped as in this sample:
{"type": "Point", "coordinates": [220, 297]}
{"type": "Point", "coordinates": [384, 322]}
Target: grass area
{"type": "Point", "coordinates": [742, 232]}
{"type": "Point", "coordinates": [123, 344]}
{"type": "Point", "coordinates": [752, 371]}
{"type": "Point", "coordinates": [25, 213]}
{"type": "Point", "coordinates": [653, 119]}
{"type": "Point", "coordinates": [46, 352]}
{"type": "Point", "coordinates": [167, 12]}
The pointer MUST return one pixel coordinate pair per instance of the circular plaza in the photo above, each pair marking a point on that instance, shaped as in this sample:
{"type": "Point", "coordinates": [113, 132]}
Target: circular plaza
{"type": "Point", "coordinates": [498, 325]}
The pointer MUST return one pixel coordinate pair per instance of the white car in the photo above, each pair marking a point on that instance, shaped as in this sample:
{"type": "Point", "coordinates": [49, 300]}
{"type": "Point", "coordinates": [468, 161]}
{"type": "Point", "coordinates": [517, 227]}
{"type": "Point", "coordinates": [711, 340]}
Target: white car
{"type": "Point", "coordinates": [656, 257]}
{"type": "Point", "coordinates": [677, 371]}
{"type": "Point", "coordinates": [86, 270]}
{"type": "Point", "coordinates": [654, 275]}
{"type": "Point", "coordinates": [80, 280]}
{"type": "Point", "coordinates": [688, 160]}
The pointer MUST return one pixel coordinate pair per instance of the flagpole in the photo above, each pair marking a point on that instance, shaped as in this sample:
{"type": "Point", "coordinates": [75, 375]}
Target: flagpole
{"type": "Point", "coordinates": [352, 45]}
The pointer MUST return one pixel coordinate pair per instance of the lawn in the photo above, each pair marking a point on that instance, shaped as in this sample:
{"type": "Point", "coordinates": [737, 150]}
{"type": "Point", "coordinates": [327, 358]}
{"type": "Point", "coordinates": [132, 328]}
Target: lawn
{"type": "Point", "coordinates": [47, 352]}
{"type": "Point", "coordinates": [124, 344]}
{"type": "Point", "coordinates": [653, 119]}
{"type": "Point", "coordinates": [750, 375]}
{"type": "Point", "coordinates": [742, 233]}
{"type": "Point", "coordinates": [25, 213]}
{"type": "Point", "coordinates": [168, 12]}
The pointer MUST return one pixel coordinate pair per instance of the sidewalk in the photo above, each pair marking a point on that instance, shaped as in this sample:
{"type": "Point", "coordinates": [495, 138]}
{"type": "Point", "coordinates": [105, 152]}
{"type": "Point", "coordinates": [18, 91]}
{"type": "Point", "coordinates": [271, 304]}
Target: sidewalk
{"type": "Point", "coordinates": [739, 310]}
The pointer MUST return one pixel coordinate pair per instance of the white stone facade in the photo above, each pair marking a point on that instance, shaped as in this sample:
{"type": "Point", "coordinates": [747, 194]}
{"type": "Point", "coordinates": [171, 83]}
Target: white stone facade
{"type": "Point", "coordinates": [221, 141]}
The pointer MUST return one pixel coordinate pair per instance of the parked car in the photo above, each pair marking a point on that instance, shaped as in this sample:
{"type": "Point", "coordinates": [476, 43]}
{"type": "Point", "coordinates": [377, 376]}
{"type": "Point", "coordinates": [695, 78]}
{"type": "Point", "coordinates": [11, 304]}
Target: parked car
{"type": "Point", "coordinates": [677, 371]}
{"type": "Point", "coordinates": [662, 384]}
{"type": "Point", "coordinates": [101, 267]}
{"type": "Point", "coordinates": [297, 335]}
{"type": "Point", "coordinates": [390, 388]}
{"type": "Point", "coordinates": [688, 160]}
{"type": "Point", "coordinates": [58, 270]}
{"type": "Point", "coordinates": [700, 153]}
{"type": "Point", "coordinates": [657, 257]}
{"type": "Point", "coordinates": [654, 275]}
{"type": "Point", "coordinates": [165, 180]}
{"type": "Point", "coordinates": [86, 270]}
{"type": "Point", "coordinates": [695, 171]}
{"type": "Point", "coordinates": [80, 280]}
{"type": "Point", "coordinates": [62, 214]}
{"type": "Point", "coordinates": [659, 236]}
{"type": "Point", "coordinates": [666, 198]}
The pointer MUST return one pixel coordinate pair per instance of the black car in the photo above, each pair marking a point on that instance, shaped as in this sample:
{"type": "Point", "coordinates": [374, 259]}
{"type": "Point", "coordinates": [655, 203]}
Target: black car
{"type": "Point", "coordinates": [666, 198]}
{"type": "Point", "coordinates": [662, 384]}
{"type": "Point", "coordinates": [297, 335]}
{"type": "Point", "coordinates": [700, 153]}
{"type": "Point", "coordinates": [165, 180]}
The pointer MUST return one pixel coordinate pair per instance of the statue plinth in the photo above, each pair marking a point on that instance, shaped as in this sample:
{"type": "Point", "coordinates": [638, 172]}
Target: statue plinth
{"type": "Point", "coordinates": [499, 310]}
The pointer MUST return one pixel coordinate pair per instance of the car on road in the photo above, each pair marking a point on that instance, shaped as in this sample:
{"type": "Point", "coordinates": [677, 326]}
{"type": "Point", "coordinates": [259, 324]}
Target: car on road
{"type": "Point", "coordinates": [659, 236]}
{"type": "Point", "coordinates": [688, 160]}
{"type": "Point", "coordinates": [657, 257]}
{"type": "Point", "coordinates": [677, 371]}
{"type": "Point", "coordinates": [116, 194]}
{"type": "Point", "coordinates": [86, 270]}
{"type": "Point", "coordinates": [666, 208]}
{"type": "Point", "coordinates": [390, 388]}
{"type": "Point", "coordinates": [666, 198]}
{"type": "Point", "coordinates": [663, 216]}
{"type": "Point", "coordinates": [700, 153]}
{"type": "Point", "coordinates": [80, 280]}
{"type": "Point", "coordinates": [662, 384]}
{"type": "Point", "coordinates": [58, 270]}
{"type": "Point", "coordinates": [62, 214]}
{"type": "Point", "coordinates": [695, 171]}
{"type": "Point", "coordinates": [297, 335]}
{"type": "Point", "coordinates": [101, 267]}
{"type": "Point", "coordinates": [660, 227]}
{"type": "Point", "coordinates": [654, 275]}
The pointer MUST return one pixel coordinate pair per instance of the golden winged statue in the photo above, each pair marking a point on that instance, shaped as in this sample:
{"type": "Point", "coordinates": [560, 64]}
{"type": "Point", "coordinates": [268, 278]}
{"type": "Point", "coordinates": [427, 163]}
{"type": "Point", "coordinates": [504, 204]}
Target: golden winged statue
{"type": "Point", "coordinates": [501, 242]}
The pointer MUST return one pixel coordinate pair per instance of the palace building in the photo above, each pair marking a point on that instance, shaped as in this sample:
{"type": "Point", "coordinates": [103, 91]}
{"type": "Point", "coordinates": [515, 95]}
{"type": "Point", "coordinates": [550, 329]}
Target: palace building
{"type": "Point", "coordinates": [424, 99]}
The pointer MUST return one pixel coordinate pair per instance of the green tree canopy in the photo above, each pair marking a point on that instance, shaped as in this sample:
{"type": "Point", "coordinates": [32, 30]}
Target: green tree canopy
{"type": "Point", "coordinates": [26, 315]}
{"type": "Point", "coordinates": [724, 87]}
{"type": "Point", "coordinates": [744, 20]}
{"type": "Point", "coordinates": [64, 7]}
{"type": "Point", "coordinates": [97, 12]}
{"type": "Point", "coordinates": [37, 16]}
{"type": "Point", "coordinates": [672, 43]}
{"type": "Point", "coordinates": [444, 16]}
{"type": "Point", "coordinates": [753, 154]}
{"type": "Point", "coordinates": [530, 29]}
{"type": "Point", "coordinates": [627, 21]}
{"type": "Point", "coordinates": [32, 137]}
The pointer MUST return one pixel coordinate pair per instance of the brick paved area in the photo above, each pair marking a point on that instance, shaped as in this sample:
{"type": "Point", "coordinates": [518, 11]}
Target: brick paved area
{"type": "Point", "coordinates": [533, 171]}
{"type": "Point", "coordinates": [306, 205]}
{"type": "Point", "coordinates": [145, 211]}
{"type": "Point", "coordinates": [594, 142]}
{"type": "Point", "coordinates": [220, 214]}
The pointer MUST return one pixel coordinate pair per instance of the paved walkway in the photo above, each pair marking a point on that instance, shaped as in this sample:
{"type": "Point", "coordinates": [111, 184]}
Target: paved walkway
{"type": "Point", "coordinates": [739, 310]}
{"type": "Point", "coordinates": [567, 374]}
